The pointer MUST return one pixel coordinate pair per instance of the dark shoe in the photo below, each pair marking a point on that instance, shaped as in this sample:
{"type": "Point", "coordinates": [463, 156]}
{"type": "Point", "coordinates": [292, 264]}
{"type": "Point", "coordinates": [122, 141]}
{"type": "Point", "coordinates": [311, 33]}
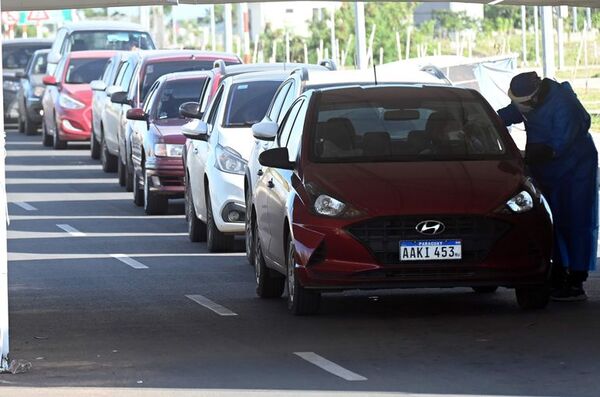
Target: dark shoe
{"type": "Point", "coordinates": [569, 293]}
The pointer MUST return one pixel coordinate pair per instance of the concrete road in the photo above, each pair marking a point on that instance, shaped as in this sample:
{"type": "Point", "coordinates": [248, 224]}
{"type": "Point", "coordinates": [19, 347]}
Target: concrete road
{"type": "Point", "coordinates": [107, 301]}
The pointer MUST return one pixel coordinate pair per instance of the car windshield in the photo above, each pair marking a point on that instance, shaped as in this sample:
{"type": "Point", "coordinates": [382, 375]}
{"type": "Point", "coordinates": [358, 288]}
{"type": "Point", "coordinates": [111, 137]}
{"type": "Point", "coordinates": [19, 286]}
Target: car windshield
{"type": "Point", "coordinates": [84, 71]}
{"type": "Point", "coordinates": [155, 70]}
{"type": "Point", "coordinates": [110, 40]}
{"type": "Point", "coordinates": [175, 93]}
{"type": "Point", "coordinates": [17, 57]}
{"type": "Point", "coordinates": [248, 103]}
{"type": "Point", "coordinates": [404, 124]}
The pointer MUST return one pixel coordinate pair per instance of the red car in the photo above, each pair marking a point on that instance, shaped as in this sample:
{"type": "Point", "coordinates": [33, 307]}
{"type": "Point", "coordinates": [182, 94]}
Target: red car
{"type": "Point", "coordinates": [67, 101]}
{"type": "Point", "coordinates": [397, 187]}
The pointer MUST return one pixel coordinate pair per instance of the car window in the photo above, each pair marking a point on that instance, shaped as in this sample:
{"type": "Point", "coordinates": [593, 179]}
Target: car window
{"type": "Point", "coordinates": [291, 95]}
{"type": "Point", "coordinates": [277, 103]}
{"type": "Point", "coordinates": [108, 71]}
{"type": "Point", "coordinates": [153, 71]}
{"type": "Point", "coordinates": [176, 93]}
{"type": "Point", "coordinates": [288, 123]}
{"type": "Point", "coordinates": [214, 107]}
{"type": "Point", "coordinates": [59, 41]}
{"type": "Point", "coordinates": [121, 73]}
{"type": "Point", "coordinates": [38, 64]}
{"type": "Point", "coordinates": [84, 71]}
{"type": "Point", "coordinates": [109, 40]}
{"type": "Point", "coordinates": [58, 73]}
{"type": "Point", "coordinates": [17, 56]}
{"type": "Point", "coordinates": [247, 103]}
{"type": "Point", "coordinates": [293, 143]}
{"type": "Point", "coordinates": [151, 95]}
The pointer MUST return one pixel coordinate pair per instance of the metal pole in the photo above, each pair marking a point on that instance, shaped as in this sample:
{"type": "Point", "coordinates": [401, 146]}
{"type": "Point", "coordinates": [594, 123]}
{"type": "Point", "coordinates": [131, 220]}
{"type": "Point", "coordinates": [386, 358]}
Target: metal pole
{"type": "Point", "coordinates": [536, 28]}
{"type": "Point", "coordinates": [548, 41]}
{"type": "Point", "coordinates": [333, 44]}
{"type": "Point", "coordinates": [361, 44]}
{"type": "Point", "coordinates": [588, 17]}
{"type": "Point", "coordinates": [213, 29]}
{"type": "Point", "coordinates": [227, 20]}
{"type": "Point", "coordinates": [560, 30]}
{"type": "Point", "coordinates": [4, 345]}
{"type": "Point", "coordinates": [524, 33]}
{"type": "Point", "coordinates": [575, 27]}
{"type": "Point", "coordinates": [240, 29]}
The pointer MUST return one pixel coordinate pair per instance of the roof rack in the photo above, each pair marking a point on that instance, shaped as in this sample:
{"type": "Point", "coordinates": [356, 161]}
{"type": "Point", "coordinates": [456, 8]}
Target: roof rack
{"type": "Point", "coordinates": [436, 72]}
{"type": "Point", "coordinates": [220, 64]}
{"type": "Point", "coordinates": [329, 64]}
{"type": "Point", "coordinates": [303, 71]}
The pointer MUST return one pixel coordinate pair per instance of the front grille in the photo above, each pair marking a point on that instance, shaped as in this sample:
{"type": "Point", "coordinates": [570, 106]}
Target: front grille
{"type": "Point", "coordinates": [383, 235]}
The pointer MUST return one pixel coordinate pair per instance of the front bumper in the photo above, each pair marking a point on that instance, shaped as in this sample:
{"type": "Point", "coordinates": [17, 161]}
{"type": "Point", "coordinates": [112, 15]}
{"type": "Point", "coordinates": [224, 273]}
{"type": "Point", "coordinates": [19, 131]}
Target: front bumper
{"type": "Point", "coordinates": [166, 176]}
{"type": "Point", "coordinates": [226, 194]}
{"type": "Point", "coordinates": [34, 109]}
{"type": "Point", "coordinates": [75, 124]}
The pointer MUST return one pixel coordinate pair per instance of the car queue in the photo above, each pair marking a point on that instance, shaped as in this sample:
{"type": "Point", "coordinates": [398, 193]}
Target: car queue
{"type": "Point", "coordinates": [338, 180]}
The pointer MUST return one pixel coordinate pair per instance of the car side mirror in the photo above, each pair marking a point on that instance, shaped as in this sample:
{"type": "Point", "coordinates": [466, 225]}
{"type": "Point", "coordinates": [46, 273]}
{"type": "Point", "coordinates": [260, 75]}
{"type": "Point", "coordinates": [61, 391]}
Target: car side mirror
{"type": "Point", "coordinates": [276, 158]}
{"type": "Point", "coordinates": [190, 110]}
{"type": "Point", "coordinates": [265, 130]}
{"type": "Point", "coordinates": [98, 85]}
{"type": "Point", "coordinates": [196, 130]}
{"type": "Point", "coordinates": [136, 114]}
{"type": "Point", "coordinates": [49, 80]}
{"type": "Point", "coordinates": [119, 97]}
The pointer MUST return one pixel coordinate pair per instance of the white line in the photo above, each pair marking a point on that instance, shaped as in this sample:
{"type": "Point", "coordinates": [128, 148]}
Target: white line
{"type": "Point", "coordinates": [330, 366]}
{"type": "Point", "coordinates": [129, 261]}
{"type": "Point", "coordinates": [215, 307]}
{"type": "Point", "coordinates": [24, 256]}
{"type": "Point", "coordinates": [71, 230]}
{"type": "Point", "coordinates": [25, 206]}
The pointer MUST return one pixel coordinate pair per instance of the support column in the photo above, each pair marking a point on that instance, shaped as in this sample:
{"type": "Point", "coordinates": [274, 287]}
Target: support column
{"type": "Point", "coordinates": [227, 20]}
{"type": "Point", "coordinates": [361, 45]}
{"type": "Point", "coordinates": [332, 36]}
{"type": "Point", "coordinates": [213, 29]}
{"type": "Point", "coordinates": [548, 41]}
{"type": "Point", "coordinates": [560, 31]}
{"type": "Point", "coordinates": [536, 28]}
{"type": "Point", "coordinates": [524, 34]}
{"type": "Point", "coordinates": [575, 24]}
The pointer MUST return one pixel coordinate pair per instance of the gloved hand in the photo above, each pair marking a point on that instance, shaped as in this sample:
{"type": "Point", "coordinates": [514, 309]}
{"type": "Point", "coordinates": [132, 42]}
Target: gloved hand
{"type": "Point", "coordinates": [538, 153]}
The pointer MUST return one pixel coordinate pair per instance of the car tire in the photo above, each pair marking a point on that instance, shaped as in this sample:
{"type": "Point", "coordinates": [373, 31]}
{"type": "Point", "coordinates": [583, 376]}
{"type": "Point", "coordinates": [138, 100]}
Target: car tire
{"type": "Point", "coordinates": [58, 143]}
{"type": "Point", "coordinates": [250, 231]}
{"type": "Point", "coordinates": [533, 298]}
{"type": "Point", "coordinates": [269, 283]}
{"type": "Point", "coordinates": [109, 161]}
{"type": "Point", "coordinates": [154, 204]}
{"type": "Point", "coordinates": [216, 241]}
{"type": "Point", "coordinates": [485, 290]}
{"type": "Point", "coordinates": [94, 148]}
{"type": "Point", "coordinates": [121, 171]}
{"type": "Point", "coordinates": [29, 127]}
{"type": "Point", "coordinates": [196, 228]}
{"type": "Point", "coordinates": [138, 193]}
{"type": "Point", "coordinates": [301, 301]}
{"type": "Point", "coordinates": [128, 175]}
{"type": "Point", "coordinates": [21, 126]}
{"type": "Point", "coordinates": [46, 139]}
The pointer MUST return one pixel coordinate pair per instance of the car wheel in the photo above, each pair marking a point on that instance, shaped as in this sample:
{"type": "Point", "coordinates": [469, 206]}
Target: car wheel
{"type": "Point", "coordinates": [121, 171]}
{"type": "Point", "coordinates": [109, 161]}
{"type": "Point", "coordinates": [269, 283]}
{"type": "Point", "coordinates": [21, 126]}
{"type": "Point", "coordinates": [138, 193]}
{"type": "Point", "coordinates": [250, 229]}
{"type": "Point", "coordinates": [94, 148]}
{"type": "Point", "coordinates": [215, 239]}
{"type": "Point", "coordinates": [485, 290]}
{"type": "Point", "coordinates": [301, 301]}
{"type": "Point", "coordinates": [58, 143]}
{"type": "Point", "coordinates": [46, 139]}
{"type": "Point", "coordinates": [29, 127]}
{"type": "Point", "coordinates": [196, 228]}
{"type": "Point", "coordinates": [154, 204]}
{"type": "Point", "coordinates": [128, 175]}
{"type": "Point", "coordinates": [533, 298]}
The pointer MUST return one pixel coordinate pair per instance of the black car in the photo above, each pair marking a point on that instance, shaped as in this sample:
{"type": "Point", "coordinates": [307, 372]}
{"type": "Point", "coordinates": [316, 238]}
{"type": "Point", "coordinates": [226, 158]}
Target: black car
{"type": "Point", "coordinates": [32, 88]}
{"type": "Point", "coordinates": [15, 56]}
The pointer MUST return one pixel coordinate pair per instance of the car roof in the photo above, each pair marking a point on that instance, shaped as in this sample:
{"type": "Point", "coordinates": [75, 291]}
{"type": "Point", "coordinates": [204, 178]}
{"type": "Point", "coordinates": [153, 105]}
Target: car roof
{"type": "Point", "coordinates": [259, 76]}
{"type": "Point", "coordinates": [185, 75]}
{"type": "Point", "coordinates": [146, 55]}
{"type": "Point", "coordinates": [103, 26]}
{"type": "Point", "coordinates": [405, 76]}
{"type": "Point", "coordinates": [25, 42]}
{"type": "Point", "coordinates": [457, 92]}
{"type": "Point", "coordinates": [92, 54]}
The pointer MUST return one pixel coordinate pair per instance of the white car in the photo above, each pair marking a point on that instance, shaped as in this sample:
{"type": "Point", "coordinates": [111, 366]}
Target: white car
{"type": "Point", "coordinates": [298, 82]}
{"type": "Point", "coordinates": [217, 156]}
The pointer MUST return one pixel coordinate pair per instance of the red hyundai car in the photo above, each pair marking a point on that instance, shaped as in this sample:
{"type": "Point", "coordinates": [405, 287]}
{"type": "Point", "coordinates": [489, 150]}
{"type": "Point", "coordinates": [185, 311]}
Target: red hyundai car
{"type": "Point", "coordinates": [67, 101]}
{"type": "Point", "coordinates": [397, 187]}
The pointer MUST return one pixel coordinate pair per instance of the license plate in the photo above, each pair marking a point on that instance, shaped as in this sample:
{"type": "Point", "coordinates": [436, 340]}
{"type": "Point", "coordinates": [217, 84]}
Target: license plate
{"type": "Point", "coordinates": [430, 250]}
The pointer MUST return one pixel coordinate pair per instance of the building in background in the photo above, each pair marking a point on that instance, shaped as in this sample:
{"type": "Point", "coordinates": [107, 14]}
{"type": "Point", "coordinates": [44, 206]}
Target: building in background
{"type": "Point", "coordinates": [424, 12]}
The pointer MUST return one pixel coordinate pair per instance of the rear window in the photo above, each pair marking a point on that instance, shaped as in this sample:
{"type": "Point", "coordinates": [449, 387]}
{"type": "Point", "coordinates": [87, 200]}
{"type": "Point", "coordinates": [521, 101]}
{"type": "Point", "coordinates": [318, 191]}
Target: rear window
{"type": "Point", "coordinates": [404, 124]}
{"type": "Point", "coordinates": [155, 70]}
{"type": "Point", "coordinates": [17, 57]}
{"type": "Point", "coordinates": [175, 93]}
{"type": "Point", "coordinates": [248, 103]}
{"type": "Point", "coordinates": [84, 71]}
{"type": "Point", "coordinates": [110, 40]}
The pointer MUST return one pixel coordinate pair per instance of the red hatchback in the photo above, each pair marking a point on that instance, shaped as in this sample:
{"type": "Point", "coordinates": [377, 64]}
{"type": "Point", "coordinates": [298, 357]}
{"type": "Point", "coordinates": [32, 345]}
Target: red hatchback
{"type": "Point", "coordinates": [67, 101]}
{"type": "Point", "coordinates": [397, 187]}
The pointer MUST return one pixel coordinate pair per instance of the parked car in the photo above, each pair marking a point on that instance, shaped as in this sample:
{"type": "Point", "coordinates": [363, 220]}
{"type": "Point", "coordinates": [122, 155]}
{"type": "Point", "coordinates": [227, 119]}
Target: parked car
{"type": "Point", "coordinates": [15, 57]}
{"type": "Point", "coordinates": [101, 98]}
{"type": "Point", "coordinates": [397, 186]}
{"type": "Point", "coordinates": [105, 35]}
{"type": "Point", "coordinates": [31, 90]}
{"type": "Point", "coordinates": [299, 81]}
{"type": "Point", "coordinates": [157, 142]}
{"type": "Point", "coordinates": [67, 101]}
{"type": "Point", "coordinates": [217, 157]}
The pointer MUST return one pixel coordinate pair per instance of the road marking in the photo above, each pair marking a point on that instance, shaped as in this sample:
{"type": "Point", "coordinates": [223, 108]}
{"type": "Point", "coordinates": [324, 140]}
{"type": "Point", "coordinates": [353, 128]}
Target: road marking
{"type": "Point", "coordinates": [25, 206]}
{"type": "Point", "coordinates": [330, 366]}
{"type": "Point", "coordinates": [71, 230]}
{"type": "Point", "coordinates": [210, 305]}
{"type": "Point", "coordinates": [129, 261]}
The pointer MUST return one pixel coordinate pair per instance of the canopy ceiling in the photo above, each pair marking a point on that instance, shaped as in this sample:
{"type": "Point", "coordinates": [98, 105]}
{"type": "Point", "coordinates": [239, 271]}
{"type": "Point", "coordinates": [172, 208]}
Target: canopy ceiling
{"type": "Point", "coordinates": [25, 5]}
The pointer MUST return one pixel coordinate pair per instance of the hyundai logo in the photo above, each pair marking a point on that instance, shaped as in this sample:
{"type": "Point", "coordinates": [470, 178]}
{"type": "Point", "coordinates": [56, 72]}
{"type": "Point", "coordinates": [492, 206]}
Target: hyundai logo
{"type": "Point", "coordinates": [430, 228]}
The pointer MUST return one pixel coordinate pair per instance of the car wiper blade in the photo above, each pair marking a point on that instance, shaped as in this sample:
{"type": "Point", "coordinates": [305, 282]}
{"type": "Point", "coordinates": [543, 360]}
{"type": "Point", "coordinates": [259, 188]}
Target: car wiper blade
{"type": "Point", "coordinates": [234, 125]}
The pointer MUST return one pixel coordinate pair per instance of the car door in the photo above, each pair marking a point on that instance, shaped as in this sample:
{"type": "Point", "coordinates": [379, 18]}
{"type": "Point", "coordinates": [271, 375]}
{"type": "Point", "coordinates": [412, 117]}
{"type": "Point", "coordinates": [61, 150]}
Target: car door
{"type": "Point", "coordinates": [51, 98]}
{"type": "Point", "coordinates": [140, 129]}
{"type": "Point", "coordinates": [199, 153]}
{"type": "Point", "coordinates": [113, 110]}
{"type": "Point", "coordinates": [270, 191]}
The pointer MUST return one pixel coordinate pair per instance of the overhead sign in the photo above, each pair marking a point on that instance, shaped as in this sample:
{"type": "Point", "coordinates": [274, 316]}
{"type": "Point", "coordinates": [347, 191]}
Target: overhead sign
{"type": "Point", "coordinates": [37, 16]}
{"type": "Point", "coordinates": [10, 18]}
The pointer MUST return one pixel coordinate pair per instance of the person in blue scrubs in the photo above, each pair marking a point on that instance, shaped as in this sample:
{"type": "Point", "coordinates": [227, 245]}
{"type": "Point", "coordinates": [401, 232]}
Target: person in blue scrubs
{"type": "Point", "coordinates": [563, 160]}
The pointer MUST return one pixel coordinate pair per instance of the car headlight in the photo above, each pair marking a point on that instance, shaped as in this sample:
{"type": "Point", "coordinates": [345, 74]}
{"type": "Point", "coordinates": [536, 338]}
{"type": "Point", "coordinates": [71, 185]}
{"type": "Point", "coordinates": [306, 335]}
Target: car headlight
{"type": "Point", "coordinates": [68, 102]}
{"type": "Point", "coordinates": [38, 91]}
{"type": "Point", "coordinates": [11, 85]}
{"type": "Point", "coordinates": [168, 150]}
{"type": "Point", "coordinates": [522, 202]}
{"type": "Point", "coordinates": [328, 206]}
{"type": "Point", "coordinates": [230, 161]}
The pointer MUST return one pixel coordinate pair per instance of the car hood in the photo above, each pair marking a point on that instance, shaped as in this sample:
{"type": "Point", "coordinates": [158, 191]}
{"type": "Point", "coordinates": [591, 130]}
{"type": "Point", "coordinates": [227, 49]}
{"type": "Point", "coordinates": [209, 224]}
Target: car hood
{"type": "Point", "coordinates": [239, 139]}
{"type": "Point", "coordinates": [81, 92]}
{"type": "Point", "coordinates": [170, 130]}
{"type": "Point", "coordinates": [418, 188]}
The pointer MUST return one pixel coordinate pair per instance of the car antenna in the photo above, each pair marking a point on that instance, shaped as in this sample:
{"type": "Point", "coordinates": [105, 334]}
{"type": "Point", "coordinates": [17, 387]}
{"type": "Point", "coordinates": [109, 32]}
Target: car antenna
{"type": "Point", "coordinates": [375, 72]}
